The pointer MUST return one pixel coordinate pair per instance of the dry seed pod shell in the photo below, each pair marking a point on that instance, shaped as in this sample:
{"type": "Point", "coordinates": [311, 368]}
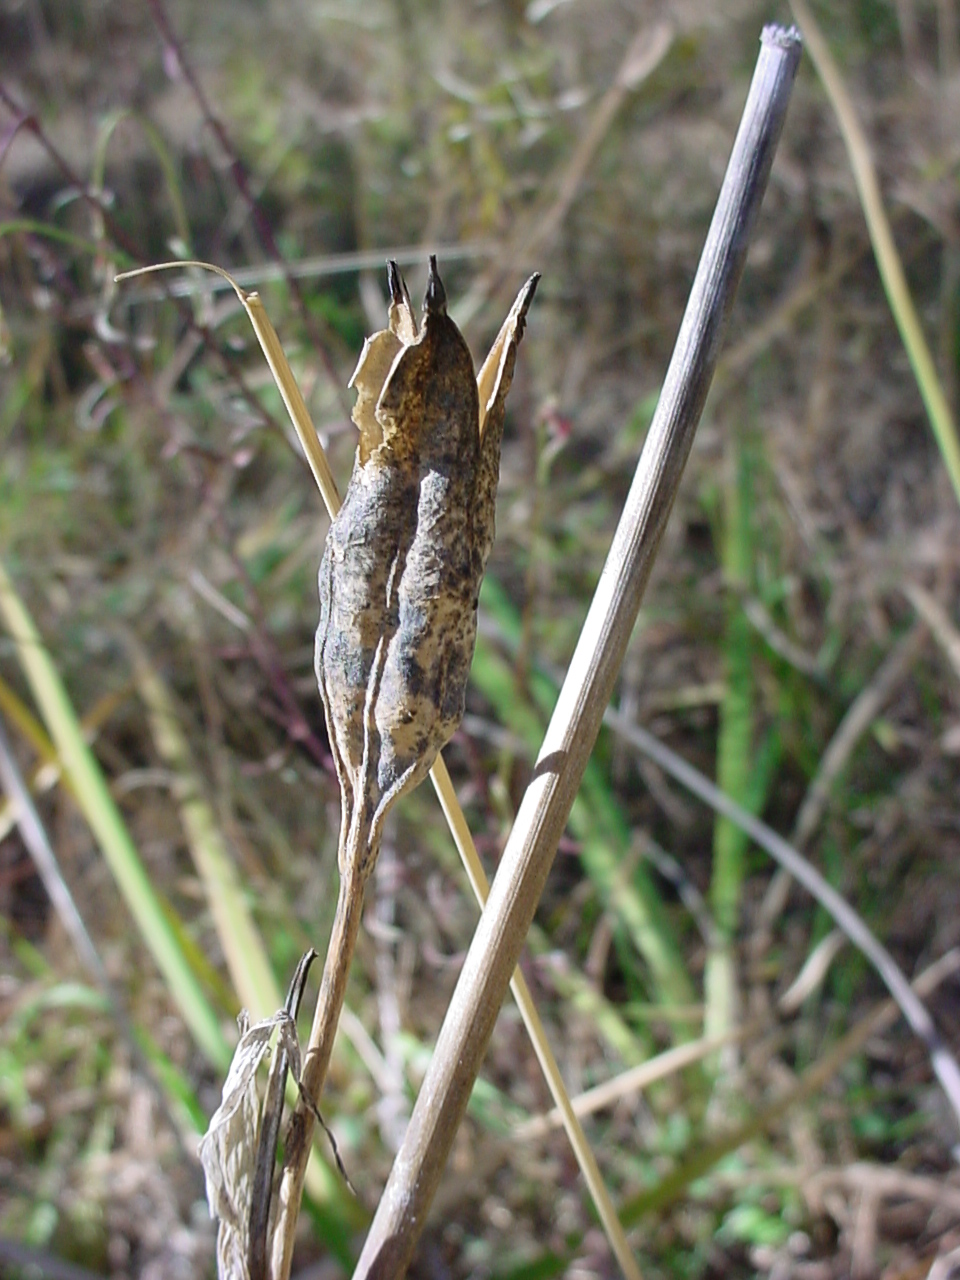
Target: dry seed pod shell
{"type": "Point", "coordinates": [401, 571]}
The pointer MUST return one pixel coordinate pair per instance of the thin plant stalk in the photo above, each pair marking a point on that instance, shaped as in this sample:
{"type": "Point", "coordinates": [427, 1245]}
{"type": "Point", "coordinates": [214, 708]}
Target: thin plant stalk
{"type": "Point", "coordinates": [573, 729]}
{"type": "Point", "coordinates": [568, 1117]}
{"type": "Point", "coordinates": [735, 765]}
{"type": "Point", "coordinates": [347, 918]}
{"type": "Point", "coordinates": [884, 246]}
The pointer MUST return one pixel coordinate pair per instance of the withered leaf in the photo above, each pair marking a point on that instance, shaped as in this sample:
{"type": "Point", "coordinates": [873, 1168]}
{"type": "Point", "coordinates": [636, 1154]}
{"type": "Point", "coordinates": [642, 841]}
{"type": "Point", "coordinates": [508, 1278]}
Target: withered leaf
{"type": "Point", "coordinates": [228, 1150]}
{"type": "Point", "coordinates": [401, 572]}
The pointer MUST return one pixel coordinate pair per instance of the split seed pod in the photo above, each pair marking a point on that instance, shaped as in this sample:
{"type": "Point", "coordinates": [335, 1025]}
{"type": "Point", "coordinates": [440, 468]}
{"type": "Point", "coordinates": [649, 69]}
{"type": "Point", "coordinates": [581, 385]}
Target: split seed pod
{"type": "Point", "coordinates": [401, 571]}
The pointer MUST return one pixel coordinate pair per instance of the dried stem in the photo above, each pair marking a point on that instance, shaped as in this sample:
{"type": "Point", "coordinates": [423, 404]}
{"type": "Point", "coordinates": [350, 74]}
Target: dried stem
{"type": "Point", "coordinates": [333, 989]}
{"type": "Point", "coordinates": [569, 740]}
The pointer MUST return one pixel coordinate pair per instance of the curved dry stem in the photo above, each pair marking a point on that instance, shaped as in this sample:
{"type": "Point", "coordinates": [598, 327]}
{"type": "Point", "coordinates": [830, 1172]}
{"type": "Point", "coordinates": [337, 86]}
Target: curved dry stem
{"type": "Point", "coordinates": [280, 368]}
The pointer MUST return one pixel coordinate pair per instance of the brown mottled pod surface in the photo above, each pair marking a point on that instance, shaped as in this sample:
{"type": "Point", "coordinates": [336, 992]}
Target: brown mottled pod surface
{"type": "Point", "coordinates": [401, 571]}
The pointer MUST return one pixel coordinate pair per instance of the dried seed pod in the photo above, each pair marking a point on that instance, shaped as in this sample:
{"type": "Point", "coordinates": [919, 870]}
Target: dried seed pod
{"type": "Point", "coordinates": [401, 571]}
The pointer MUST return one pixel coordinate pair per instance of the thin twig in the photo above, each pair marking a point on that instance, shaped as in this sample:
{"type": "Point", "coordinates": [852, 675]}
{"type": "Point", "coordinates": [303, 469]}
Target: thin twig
{"type": "Point", "coordinates": [885, 1183]}
{"type": "Point", "coordinates": [636, 1078]}
{"type": "Point", "coordinates": [593, 671]}
{"type": "Point", "coordinates": [320, 266]}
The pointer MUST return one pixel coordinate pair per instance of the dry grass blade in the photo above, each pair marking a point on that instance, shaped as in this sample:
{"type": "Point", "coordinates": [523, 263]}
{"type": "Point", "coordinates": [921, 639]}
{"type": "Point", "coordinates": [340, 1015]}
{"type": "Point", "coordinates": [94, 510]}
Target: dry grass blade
{"type": "Point", "coordinates": [242, 946]}
{"type": "Point", "coordinates": [888, 260]}
{"type": "Point", "coordinates": [322, 266]}
{"type": "Point", "coordinates": [593, 671]}
{"type": "Point", "coordinates": [632, 1081]}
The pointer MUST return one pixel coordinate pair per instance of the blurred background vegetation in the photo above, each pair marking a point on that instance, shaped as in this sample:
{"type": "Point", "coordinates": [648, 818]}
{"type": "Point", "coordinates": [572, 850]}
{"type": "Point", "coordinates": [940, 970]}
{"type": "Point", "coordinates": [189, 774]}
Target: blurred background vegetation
{"type": "Point", "coordinates": [159, 526]}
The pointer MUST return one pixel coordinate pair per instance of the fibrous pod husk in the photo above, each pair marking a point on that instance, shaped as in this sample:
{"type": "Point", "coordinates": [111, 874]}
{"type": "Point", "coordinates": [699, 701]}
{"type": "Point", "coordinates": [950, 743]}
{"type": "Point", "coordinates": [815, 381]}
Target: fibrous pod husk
{"type": "Point", "coordinates": [401, 572]}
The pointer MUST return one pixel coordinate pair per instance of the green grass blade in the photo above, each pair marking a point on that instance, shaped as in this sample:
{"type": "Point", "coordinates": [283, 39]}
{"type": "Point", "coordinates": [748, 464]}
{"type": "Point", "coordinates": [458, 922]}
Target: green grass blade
{"type": "Point", "coordinates": [161, 151]}
{"type": "Point", "coordinates": [104, 819]}
{"type": "Point", "coordinates": [33, 227]}
{"type": "Point", "coordinates": [734, 753]}
{"type": "Point", "coordinates": [596, 819]}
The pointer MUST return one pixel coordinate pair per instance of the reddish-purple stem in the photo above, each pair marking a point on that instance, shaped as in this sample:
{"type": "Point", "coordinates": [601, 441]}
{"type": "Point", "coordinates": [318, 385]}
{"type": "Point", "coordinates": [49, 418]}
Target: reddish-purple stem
{"type": "Point", "coordinates": [239, 174]}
